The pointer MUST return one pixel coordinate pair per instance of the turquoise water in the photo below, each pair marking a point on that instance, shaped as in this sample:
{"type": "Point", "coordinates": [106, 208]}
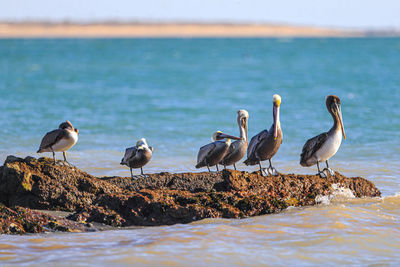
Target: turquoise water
{"type": "Point", "coordinates": [177, 92]}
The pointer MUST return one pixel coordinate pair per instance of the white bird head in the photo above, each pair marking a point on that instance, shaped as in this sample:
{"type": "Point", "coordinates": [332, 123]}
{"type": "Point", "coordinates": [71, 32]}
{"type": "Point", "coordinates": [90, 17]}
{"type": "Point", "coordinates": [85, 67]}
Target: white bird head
{"type": "Point", "coordinates": [141, 143]}
{"type": "Point", "coordinates": [276, 99]}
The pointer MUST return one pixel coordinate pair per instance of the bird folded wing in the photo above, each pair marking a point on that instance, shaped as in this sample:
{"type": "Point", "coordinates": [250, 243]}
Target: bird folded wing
{"type": "Point", "coordinates": [254, 143]}
{"type": "Point", "coordinates": [204, 151]}
{"type": "Point", "coordinates": [311, 146]}
{"type": "Point", "coordinates": [51, 138]}
{"type": "Point", "coordinates": [232, 148]}
{"type": "Point", "coordinates": [130, 153]}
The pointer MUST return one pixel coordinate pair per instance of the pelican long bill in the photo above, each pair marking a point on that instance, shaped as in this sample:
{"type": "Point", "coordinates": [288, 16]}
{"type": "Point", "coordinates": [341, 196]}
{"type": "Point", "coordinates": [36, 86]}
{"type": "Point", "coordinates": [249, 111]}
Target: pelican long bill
{"type": "Point", "coordinates": [341, 120]}
{"type": "Point", "coordinates": [224, 135]}
{"type": "Point", "coordinates": [276, 118]}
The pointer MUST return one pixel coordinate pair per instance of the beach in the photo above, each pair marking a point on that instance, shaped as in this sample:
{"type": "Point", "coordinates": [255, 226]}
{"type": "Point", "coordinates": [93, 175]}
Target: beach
{"type": "Point", "coordinates": [141, 30]}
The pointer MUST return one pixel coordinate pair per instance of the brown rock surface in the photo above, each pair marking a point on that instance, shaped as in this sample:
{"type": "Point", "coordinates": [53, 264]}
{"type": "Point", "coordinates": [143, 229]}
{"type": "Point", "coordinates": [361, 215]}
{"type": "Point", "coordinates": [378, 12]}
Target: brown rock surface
{"type": "Point", "coordinates": [20, 220]}
{"type": "Point", "coordinates": [163, 198]}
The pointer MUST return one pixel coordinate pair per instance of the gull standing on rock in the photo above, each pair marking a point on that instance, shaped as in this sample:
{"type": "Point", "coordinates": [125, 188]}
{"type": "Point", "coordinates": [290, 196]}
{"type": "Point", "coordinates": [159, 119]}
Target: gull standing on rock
{"type": "Point", "coordinates": [137, 156]}
{"type": "Point", "coordinates": [211, 154]}
{"type": "Point", "coordinates": [322, 147]}
{"type": "Point", "coordinates": [60, 139]}
{"type": "Point", "coordinates": [238, 149]}
{"type": "Point", "coordinates": [264, 145]}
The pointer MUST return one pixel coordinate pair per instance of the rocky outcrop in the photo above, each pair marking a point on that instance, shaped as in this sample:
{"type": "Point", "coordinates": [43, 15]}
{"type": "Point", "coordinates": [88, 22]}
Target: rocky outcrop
{"type": "Point", "coordinates": [163, 198]}
{"type": "Point", "coordinates": [19, 220]}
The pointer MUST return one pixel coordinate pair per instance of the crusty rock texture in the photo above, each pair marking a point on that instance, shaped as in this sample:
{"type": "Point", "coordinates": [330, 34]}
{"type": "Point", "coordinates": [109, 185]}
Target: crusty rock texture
{"type": "Point", "coordinates": [163, 198]}
{"type": "Point", "coordinates": [19, 220]}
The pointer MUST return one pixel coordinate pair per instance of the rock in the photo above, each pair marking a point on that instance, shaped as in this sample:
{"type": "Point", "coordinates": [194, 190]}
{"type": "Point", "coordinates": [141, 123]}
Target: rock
{"type": "Point", "coordinates": [20, 220]}
{"type": "Point", "coordinates": [39, 184]}
{"type": "Point", "coordinates": [164, 198]}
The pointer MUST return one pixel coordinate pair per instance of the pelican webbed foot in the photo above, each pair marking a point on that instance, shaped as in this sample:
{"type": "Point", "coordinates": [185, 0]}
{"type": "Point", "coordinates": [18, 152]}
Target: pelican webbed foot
{"type": "Point", "coordinates": [264, 172]}
{"type": "Point", "coordinates": [322, 174]}
{"type": "Point", "coordinates": [63, 164]}
{"type": "Point", "coordinates": [272, 171]}
{"type": "Point", "coordinates": [330, 171]}
{"type": "Point", "coordinates": [68, 164]}
{"type": "Point", "coordinates": [135, 177]}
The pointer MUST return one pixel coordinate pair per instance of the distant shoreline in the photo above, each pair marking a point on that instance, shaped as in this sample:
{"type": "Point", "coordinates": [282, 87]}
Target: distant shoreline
{"type": "Point", "coordinates": [167, 30]}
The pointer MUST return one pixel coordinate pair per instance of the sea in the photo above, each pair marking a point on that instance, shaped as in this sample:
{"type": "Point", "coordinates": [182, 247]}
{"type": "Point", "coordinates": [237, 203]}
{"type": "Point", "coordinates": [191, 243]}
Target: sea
{"type": "Point", "coordinates": [175, 93]}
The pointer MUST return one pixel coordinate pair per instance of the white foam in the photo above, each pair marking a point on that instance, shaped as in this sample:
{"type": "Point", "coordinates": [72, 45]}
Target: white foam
{"type": "Point", "coordinates": [339, 193]}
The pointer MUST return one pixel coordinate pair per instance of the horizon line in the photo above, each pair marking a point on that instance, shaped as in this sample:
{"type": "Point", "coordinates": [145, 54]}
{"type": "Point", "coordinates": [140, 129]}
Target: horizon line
{"type": "Point", "coordinates": [112, 21]}
{"type": "Point", "coordinates": [162, 29]}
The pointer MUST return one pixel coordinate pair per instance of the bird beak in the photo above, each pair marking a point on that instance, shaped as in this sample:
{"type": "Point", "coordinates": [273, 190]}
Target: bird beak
{"type": "Point", "coordinates": [276, 114]}
{"type": "Point", "coordinates": [77, 131]}
{"type": "Point", "coordinates": [223, 135]}
{"type": "Point", "coordinates": [341, 120]}
{"type": "Point", "coordinates": [243, 123]}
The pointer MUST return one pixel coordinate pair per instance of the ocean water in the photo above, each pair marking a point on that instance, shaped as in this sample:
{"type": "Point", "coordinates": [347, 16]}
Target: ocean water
{"type": "Point", "coordinates": [176, 93]}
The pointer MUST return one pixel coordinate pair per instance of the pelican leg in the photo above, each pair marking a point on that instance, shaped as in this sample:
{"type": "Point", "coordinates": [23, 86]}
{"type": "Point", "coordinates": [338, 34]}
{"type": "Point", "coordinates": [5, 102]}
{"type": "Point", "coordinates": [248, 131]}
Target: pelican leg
{"type": "Point", "coordinates": [65, 159]}
{"type": "Point", "coordinates": [208, 168]}
{"type": "Point", "coordinates": [271, 170]}
{"type": "Point", "coordinates": [131, 172]}
{"type": "Point", "coordinates": [234, 166]}
{"type": "Point", "coordinates": [321, 173]}
{"type": "Point", "coordinates": [224, 167]}
{"type": "Point", "coordinates": [217, 167]}
{"type": "Point", "coordinates": [142, 174]}
{"type": "Point", "coordinates": [54, 155]}
{"type": "Point", "coordinates": [262, 170]}
{"type": "Point", "coordinates": [331, 172]}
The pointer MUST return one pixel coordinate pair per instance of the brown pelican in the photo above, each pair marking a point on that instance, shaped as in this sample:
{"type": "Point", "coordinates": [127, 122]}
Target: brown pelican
{"type": "Point", "coordinates": [60, 139]}
{"type": "Point", "coordinates": [211, 154]}
{"type": "Point", "coordinates": [137, 156]}
{"type": "Point", "coordinates": [264, 145]}
{"type": "Point", "coordinates": [322, 147]}
{"type": "Point", "coordinates": [238, 149]}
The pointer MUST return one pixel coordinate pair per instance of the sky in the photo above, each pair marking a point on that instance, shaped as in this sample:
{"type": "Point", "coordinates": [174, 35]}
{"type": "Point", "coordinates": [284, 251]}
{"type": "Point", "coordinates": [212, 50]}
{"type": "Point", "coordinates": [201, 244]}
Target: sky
{"type": "Point", "coordinates": [372, 14]}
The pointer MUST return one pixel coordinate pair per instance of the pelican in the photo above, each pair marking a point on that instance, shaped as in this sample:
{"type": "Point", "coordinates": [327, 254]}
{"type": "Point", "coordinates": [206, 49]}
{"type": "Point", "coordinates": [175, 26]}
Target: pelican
{"type": "Point", "coordinates": [137, 156]}
{"type": "Point", "coordinates": [237, 149]}
{"type": "Point", "coordinates": [322, 147]}
{"type": "Point", "coordinates": [60, 139]}
{"type": "Point", "coordinates": [211, 154]}
{"type": "Point", "coordinates": [264, 145]}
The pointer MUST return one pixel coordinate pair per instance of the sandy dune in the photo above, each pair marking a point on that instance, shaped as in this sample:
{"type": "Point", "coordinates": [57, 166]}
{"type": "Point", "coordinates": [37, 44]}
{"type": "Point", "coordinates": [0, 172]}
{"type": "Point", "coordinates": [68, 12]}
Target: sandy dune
{"type": "Point", "coordinates": [111, 30]}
